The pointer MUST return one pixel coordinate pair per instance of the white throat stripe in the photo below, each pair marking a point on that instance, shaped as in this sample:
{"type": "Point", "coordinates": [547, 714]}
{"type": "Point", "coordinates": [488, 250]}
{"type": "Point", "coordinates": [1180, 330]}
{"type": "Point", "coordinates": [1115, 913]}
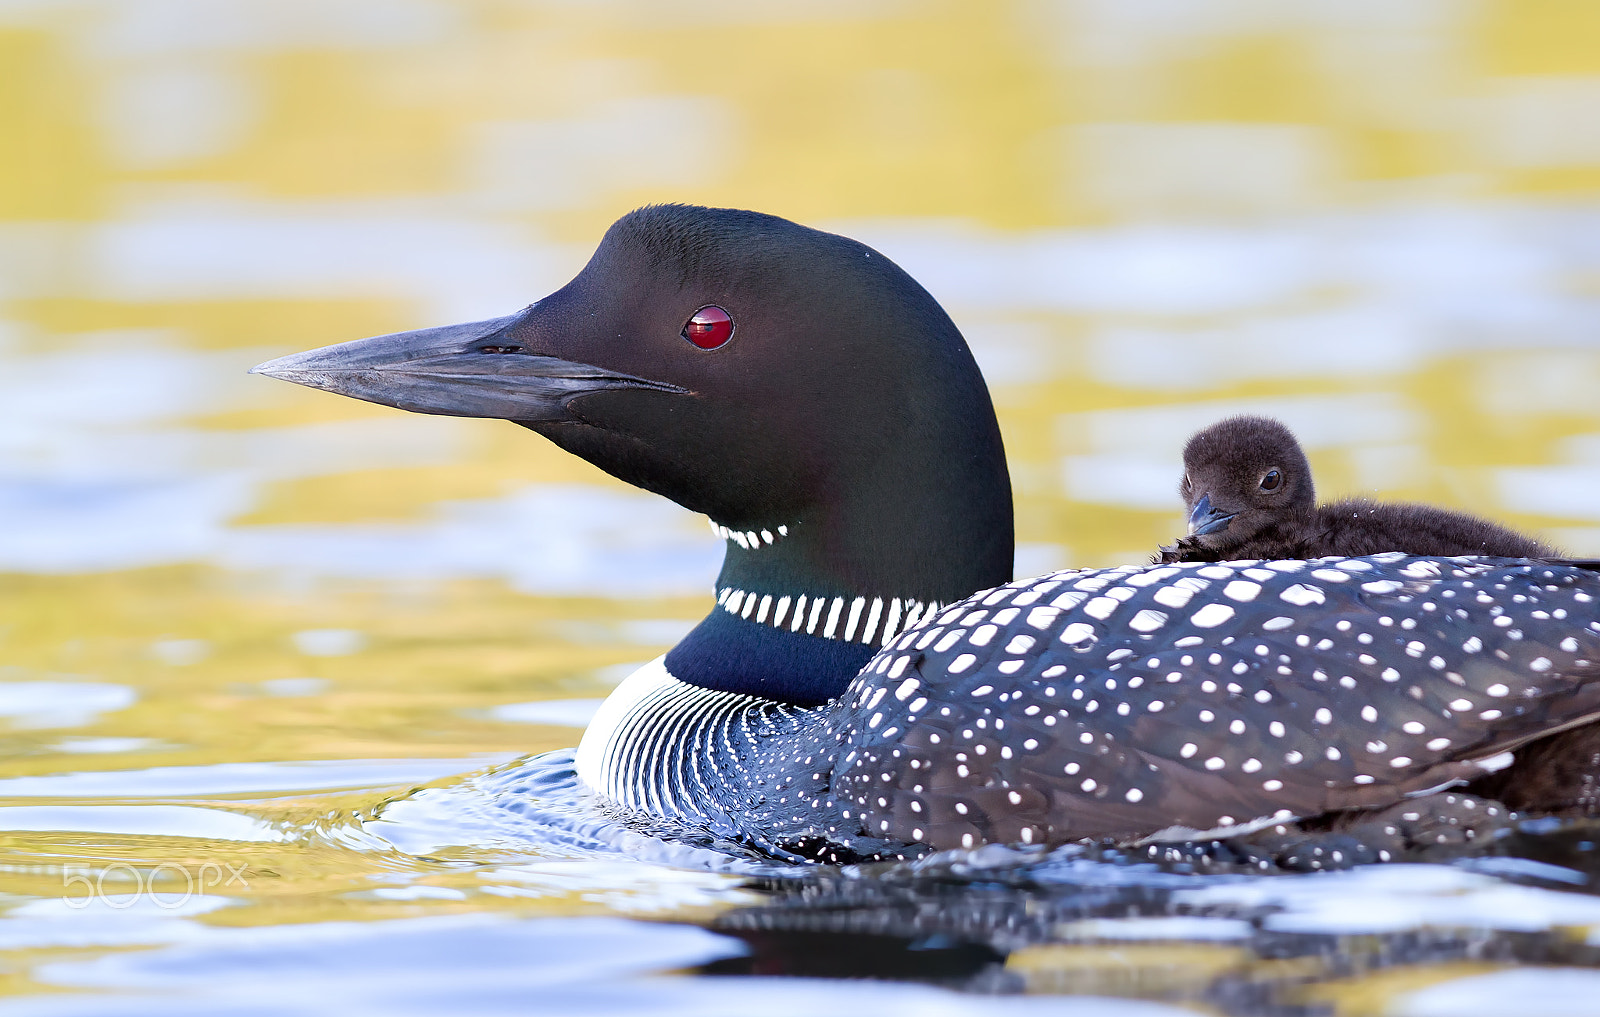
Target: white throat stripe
{"type": "Point", "coordinates": [748, 539]}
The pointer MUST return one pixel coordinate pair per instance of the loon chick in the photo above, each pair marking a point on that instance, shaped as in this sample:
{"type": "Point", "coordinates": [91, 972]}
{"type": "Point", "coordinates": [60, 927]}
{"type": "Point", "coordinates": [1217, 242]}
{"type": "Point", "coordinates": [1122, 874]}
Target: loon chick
{"type": "Point", "coordinates": [849, 695]}
{"type": "Point", "coordinates": [1248, 488]}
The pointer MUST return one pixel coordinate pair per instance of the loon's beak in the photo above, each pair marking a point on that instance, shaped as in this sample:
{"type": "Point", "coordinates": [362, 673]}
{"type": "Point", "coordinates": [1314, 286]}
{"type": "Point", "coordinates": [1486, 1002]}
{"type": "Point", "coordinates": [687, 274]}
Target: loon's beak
{"type": "Point", "coordinates": [1207, 518]}
{"type": "Point", "coordinates": [447, 371]}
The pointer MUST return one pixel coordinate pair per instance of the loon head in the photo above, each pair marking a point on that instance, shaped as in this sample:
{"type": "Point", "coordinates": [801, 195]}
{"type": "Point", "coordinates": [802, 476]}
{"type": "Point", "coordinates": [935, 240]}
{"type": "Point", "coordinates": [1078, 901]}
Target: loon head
{"type": "Point", "coordinates": [793, 385]}
{"type": "Point", "coordinates": [1241, 476]}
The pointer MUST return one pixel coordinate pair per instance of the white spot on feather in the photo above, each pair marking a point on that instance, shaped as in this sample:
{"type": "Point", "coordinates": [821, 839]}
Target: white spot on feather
{"type": "Point", "coordinates": [1211, 616]}
{"type": "Point", "coordinates": [1100, 607]}
{"type": "Point", "coordinates": [1241, 590]}
{"type": "Point", "coordinates": [1172, 596]}
{"type": "Point", "coordinates": [1043, 617]}
{"type": "Point", "coordinates": [1077, 632]}
{"type": "Point", "coordinates": [1301, 595]}
{"type": "Point", "coordinates": [1148, 621]}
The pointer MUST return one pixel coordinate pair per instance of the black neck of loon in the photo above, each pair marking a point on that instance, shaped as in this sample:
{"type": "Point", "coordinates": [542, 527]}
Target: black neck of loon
{"type": "Point", "coordinates": [803, 604]}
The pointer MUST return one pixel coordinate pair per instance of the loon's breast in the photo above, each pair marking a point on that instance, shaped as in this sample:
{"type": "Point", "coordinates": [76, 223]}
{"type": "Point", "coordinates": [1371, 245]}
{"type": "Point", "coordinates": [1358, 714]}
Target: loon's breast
{"type": "Point", "coordinates": [676, 750]}
{"type": "Point", "coordinates": [739, 766]}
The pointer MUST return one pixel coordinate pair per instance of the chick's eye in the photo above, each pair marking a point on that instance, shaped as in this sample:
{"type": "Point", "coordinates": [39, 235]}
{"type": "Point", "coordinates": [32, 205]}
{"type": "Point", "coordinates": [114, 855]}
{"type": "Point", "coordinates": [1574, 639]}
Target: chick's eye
{"type": "Point", "coordinates": [499, 349]}
{"type": "Point", "coordinates": [1271, 481]}
{"type": "Point", "coordinates": [709, 327]}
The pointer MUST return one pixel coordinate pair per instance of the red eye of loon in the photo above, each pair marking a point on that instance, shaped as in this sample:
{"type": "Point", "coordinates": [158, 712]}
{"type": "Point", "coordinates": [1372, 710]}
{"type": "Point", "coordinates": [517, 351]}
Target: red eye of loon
{"type": "Point", "coordinates": [709, 327]}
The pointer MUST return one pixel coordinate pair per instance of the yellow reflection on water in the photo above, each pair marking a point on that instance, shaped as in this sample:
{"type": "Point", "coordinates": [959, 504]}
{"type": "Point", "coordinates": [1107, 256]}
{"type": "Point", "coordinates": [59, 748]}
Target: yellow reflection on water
{"type": "Point", "coordinates": [1374, 219]}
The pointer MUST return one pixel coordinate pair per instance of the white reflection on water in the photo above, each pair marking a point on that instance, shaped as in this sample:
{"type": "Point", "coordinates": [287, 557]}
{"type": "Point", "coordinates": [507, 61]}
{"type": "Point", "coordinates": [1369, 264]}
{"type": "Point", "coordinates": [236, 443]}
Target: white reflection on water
{"type": "Point", "coordinates": [1571, 490]}
{"type": "Point", "coordinates": [47, 704]}
{"type": "Point", "coordinates": [142, 29]}
{"type": "Point", "coordinates": [1136, 169]}
{"type": "Point", "coordinates": [1550, 992]}
{"type": "Point", "coordinates": [1156, 270]}
{"type": "Point", "coordinates": [1166, 927]}
{"type": "Point", "coordinates": [1463, 276]}
{"type": "Point", "coordinates": [180, 652]}
{"type": "Point", "coordinates": [413, 893]}
{"type": "Point", "coordinates": [108, 379]}
{"type": "Point", "coordinates": [111, 919]}
{"type": "Point", "coordinates": [328, 642]}
{"type": "Point", "coordinates": [142, 820]}
{"type": "Point", "coordinates": [663, 142]}
{"type": "Point", "coordinates": [294, 687]}
{"type": "Point", "coordinates": [458, 266]}
{"type": "Point", "coordinates": [1394, 898]}
{"type": "Point", "coordinates": [235, 778]}
{"type": "Point", "coordinates": [91, 527]}
{"type": "Point", "coordinates": [1357, 343]}
{"type": "Point", "coordinates": [555, 712]}
{"type": "Point", "coordinates": [99, 746]}
{"type": "Point", "coordinates": [180, 111]}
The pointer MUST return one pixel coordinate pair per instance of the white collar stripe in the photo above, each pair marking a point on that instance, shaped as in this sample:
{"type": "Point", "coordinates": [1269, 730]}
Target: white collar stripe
{"type": "Point", "coordinates": [872, 619]}
{"type": "Point", "coordinates": [833, 617]}
{"type": "Point", "coordinates": [855, 618]}
{"type": "Point", "coordinates": [892, 621]}
{"type": "Point", "coordinates": [873, 622]}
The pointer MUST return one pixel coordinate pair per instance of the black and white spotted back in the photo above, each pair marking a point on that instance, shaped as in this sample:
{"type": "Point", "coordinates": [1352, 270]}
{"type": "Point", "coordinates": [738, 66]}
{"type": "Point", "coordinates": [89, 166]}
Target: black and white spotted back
{"type": "Point", "coordinates": [1171, 700]}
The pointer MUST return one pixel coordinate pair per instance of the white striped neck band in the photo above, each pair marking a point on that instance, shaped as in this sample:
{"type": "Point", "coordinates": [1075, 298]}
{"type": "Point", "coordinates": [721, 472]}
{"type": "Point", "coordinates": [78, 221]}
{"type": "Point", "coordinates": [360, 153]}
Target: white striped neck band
{"type": "Point", "coordinates": [872, 621]}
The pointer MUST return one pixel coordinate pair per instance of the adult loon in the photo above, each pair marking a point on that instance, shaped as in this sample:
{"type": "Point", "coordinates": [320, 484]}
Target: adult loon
{"type": "Point", "coordinates": [849, 695]}
{"type": "Point", "coordinates": [1248, 488]}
